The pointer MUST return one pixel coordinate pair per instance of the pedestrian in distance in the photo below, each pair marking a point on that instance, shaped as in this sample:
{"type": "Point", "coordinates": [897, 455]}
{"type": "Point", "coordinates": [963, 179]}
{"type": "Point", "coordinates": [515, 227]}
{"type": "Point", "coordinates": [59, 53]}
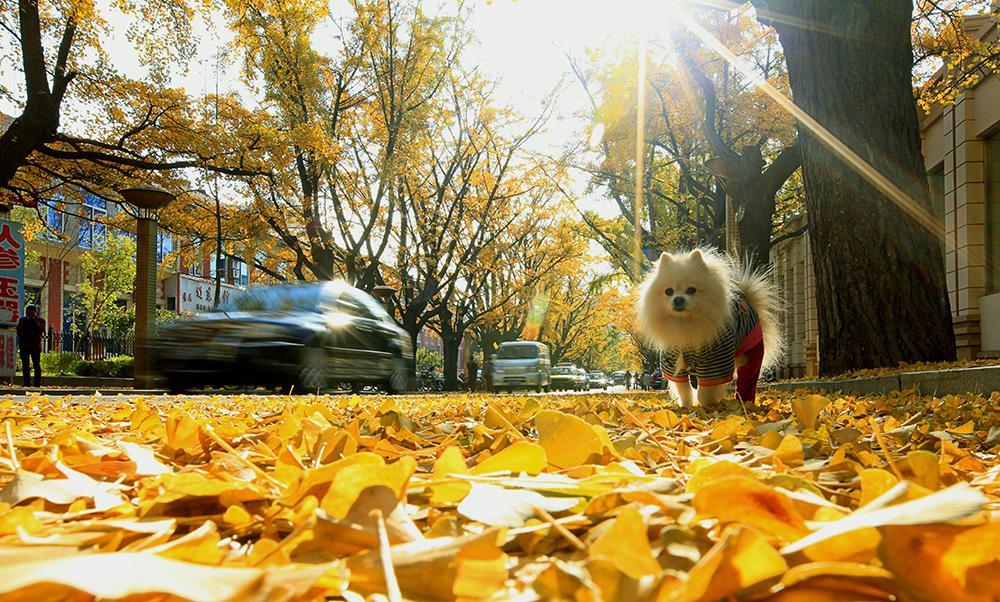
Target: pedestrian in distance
{"type": "Point", "coordinates": [472, 369]}
{"type": "Point", "coordinates": [30, 329]}
{"type": "Point", "coordinates": [628, 381]}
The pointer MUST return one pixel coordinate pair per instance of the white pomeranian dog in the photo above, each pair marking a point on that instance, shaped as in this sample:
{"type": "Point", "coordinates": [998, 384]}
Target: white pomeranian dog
{"type": "Point", "coordinates": [713, 319]}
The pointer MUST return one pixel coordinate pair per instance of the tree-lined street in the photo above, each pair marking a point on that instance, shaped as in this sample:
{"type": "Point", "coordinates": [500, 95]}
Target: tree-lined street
{"type": "Point", "coordinates": [425, 300]}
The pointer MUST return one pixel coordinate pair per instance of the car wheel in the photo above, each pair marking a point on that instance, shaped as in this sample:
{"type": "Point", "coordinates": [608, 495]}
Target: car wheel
{"type": "Point", "coordinates": [312, 370]}
{"type": "Point", "coordinates": [399, 379]}
{"type": "Point", "coordinates": [176, 385]}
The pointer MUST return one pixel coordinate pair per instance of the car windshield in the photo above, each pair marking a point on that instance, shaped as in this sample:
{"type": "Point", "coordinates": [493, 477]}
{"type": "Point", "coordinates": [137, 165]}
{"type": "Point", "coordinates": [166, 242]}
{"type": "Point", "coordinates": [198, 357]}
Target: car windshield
{"type": "Point", "coordinates": [596, 375]}
{"type": "Point", "coordinates": [562, 370]}
{"type": "Point", "coordinates": [286, 298]}
{"type": "Point", "coordinates": [517, 352]}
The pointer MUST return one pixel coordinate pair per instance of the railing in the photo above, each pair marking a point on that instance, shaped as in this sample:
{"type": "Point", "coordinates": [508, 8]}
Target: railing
{"type": "Point", "coordinates": [88, 346]}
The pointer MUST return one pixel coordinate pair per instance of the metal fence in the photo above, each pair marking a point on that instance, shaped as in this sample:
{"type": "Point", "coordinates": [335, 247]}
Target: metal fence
{"type": "Point", "coordinates": [88, 346]}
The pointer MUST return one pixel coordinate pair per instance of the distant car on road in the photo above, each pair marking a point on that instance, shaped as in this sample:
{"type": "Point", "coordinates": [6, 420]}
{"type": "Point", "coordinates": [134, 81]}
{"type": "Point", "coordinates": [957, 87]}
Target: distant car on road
{"type": "Point", "coordinates": [584, 380]}
{"type": "Point", "coordinates": [618, 378]}
{"type": "Point", "coordinates": [565, 377]}
{"type": "Point", "coordinates": [521, 365]}
{"type": "Point", "coordinates": [598, 380]}
{"type": "Point", "coordinates": [656, 380]}
{"type": "Point", "coordinates": [310, 337]}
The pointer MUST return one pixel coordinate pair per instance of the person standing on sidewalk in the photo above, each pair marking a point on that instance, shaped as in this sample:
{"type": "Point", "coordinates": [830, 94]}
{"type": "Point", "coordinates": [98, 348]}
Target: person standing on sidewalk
{"type": "Point", "coordinates": [30, 329]}
{"type": "Point", "coordinates": [472, 369]}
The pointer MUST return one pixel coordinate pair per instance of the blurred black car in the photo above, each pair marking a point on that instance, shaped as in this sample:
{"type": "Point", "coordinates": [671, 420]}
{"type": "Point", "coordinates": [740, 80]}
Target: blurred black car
{"type": "Point", "coordinates": [310, 337]}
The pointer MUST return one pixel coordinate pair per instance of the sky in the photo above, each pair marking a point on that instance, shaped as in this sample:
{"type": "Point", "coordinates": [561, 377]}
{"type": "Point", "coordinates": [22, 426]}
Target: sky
{"type": "Point", "coordinates": [522, 43]}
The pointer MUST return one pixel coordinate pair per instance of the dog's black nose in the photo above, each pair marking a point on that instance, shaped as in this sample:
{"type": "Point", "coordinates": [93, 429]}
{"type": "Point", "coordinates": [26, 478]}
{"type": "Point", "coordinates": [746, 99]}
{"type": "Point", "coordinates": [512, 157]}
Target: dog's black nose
{"type": "Point", "coordinates": [679, 302]}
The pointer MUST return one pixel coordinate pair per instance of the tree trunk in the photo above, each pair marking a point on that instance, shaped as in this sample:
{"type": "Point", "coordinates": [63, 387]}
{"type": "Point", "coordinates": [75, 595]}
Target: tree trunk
{"type": "Point", "coordinates": [880, 284]}
{"type": "Point", "coordinates": [754, 226]}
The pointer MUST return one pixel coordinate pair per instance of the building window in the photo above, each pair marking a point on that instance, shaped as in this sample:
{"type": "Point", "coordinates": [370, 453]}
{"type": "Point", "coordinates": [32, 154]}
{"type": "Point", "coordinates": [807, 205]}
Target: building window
{"type": "Point", "coordinates": [55, 224]}
{"type": "Point", "coordinates": [164, 245]}
{"type": "Point", "coordinates": [993, 215]}
{"type": "Point", "coordinates": [935, 179]}
{"type": "Point", "coordinates": [92, 228]}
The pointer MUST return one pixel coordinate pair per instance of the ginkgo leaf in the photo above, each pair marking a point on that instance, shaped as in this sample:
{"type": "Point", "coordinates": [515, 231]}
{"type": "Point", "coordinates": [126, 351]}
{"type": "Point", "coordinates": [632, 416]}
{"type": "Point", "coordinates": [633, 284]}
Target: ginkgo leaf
{"type": "Point", "coordinates": [113, 576]}
{"type": "Point", "coordinates": [742, 558]}
{"type": "Point", "coordinates": [714, 471]}
{"type": "Point", "coordinates": [519, 457]}
{"type": "Point", "coordinates": [950, 504]}
{"type": "Point", "coordinates": [501, 507]}
{"type": "Point", "coordinates": [568, 440]}
{"type": "Point", "coordinates": [449, 463]}
{"type": "Point", "coordinates": [144, 458]}
{"type": "Point", "coordinates": [437, 568]}
{"type": "Point", "coordinates": [625, 544]}
{"type": "Point", "coordinates": [874, 483]}
{"type": "Point", "coordinates": [748, 501]}
{"type": "Point", "coordinates": [807, 409]}
{"type": "Point", "coordinates": [348, 483]}
{"type": "Point", "coordinates": [926, 469]}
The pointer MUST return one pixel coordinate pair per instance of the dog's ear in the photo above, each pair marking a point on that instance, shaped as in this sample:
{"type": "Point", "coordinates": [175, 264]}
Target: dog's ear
{"type": "Point", "coordinates": [696, 256]}
{"type": "Point", "coordinates": [665, 260]}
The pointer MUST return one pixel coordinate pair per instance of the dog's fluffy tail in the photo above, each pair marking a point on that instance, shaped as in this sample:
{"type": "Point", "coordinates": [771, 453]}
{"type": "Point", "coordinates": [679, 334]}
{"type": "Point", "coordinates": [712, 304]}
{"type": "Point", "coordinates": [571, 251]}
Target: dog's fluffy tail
{"type": "Point", "coordinates": [759, 290]}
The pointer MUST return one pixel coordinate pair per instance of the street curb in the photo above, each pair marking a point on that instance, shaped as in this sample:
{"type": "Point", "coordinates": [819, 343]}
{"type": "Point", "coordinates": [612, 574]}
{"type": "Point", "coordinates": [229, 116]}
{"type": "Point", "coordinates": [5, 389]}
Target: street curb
{"type": "Point", "coordinates": [38, 392]}
{"type": "Point", "coordinates": [981, 380]}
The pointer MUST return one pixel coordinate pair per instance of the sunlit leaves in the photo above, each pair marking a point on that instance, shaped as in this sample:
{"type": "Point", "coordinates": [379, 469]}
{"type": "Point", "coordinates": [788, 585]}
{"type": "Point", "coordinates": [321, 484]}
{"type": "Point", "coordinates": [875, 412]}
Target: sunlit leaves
{"type": "Point", "coordinates": [587, 497]}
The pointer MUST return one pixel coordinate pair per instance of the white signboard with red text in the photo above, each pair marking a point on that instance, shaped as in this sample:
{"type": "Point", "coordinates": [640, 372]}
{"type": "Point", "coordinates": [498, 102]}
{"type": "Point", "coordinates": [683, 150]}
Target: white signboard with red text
{"type": "Point", "coordinates": [197, 295]}
{"type": "Point", "coordinates": [11, 291]}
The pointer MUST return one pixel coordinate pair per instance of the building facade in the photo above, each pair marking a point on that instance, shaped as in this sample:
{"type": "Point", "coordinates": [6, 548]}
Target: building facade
{"type": "Point", "coordinates": [962, 154]}
{"type": "Point", "coordinates": [53, 267]}
{"type": "Point", "coordinates": [792, 269]}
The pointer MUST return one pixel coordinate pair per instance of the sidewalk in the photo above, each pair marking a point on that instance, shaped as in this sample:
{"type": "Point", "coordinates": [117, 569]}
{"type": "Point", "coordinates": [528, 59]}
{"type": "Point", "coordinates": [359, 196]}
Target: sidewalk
{"type": "Point", "coordinates": [981, 380]}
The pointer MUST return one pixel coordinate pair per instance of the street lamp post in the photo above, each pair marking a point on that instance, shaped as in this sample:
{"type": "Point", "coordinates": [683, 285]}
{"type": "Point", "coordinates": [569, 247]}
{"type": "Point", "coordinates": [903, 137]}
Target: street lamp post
{"type": "Point", "coordinates": [146, 201]}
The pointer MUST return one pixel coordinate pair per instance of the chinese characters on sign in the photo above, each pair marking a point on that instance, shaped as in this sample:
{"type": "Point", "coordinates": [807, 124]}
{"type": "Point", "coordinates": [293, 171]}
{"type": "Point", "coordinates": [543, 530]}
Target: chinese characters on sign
{"type": "Point", "coordinates": [8, 352]}
{"type": "Point", "coordinates": [11, 291]}
{"type": "Point", "coordinates": [11, 272]}
{"type": "Point", "coordinates": [196, 295]}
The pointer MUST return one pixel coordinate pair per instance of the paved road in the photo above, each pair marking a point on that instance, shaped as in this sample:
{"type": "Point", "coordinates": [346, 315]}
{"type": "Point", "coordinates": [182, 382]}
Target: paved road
{"type": "Point", "coordinates": [114, 396]}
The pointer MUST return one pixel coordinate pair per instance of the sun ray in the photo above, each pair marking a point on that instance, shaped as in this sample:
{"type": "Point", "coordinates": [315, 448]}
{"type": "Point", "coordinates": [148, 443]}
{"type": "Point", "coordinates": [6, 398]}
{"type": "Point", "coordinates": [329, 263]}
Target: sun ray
{"type": "Point", "coordinates": [876, 178]}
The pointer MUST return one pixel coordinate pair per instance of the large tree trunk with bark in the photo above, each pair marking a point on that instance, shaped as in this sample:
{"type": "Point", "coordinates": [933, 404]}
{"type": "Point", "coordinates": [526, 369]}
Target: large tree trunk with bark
{"type": "Point", "coordinates": [754, 226]}
{"type": "Point", "coordinates": [880, 283]}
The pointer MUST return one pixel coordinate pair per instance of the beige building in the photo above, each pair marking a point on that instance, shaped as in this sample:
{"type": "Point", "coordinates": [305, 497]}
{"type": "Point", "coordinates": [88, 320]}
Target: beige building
{"type": "Point", "coordinates": [962, 154]}
{"type": "Point", "coordinates": [792, 268]}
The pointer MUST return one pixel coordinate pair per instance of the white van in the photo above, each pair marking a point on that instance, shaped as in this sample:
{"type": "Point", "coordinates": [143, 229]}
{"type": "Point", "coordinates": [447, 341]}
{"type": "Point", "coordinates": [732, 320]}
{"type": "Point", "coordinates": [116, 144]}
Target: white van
{"type": "Point", "coordinates": [522, 365]}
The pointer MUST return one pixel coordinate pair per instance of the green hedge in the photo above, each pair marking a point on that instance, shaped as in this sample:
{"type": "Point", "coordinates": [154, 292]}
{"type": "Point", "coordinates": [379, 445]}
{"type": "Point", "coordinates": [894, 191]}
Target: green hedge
{"type": "Point", "coordinates": [59, 363]}
{"type": "Point", "coordinates": [65, 363]}
{"type": "Point", "coordinates": [115, 367]}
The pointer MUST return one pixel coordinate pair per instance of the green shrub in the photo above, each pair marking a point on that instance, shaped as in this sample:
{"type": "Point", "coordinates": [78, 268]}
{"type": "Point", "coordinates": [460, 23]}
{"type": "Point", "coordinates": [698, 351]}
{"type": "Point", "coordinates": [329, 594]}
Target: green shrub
{"type": "Point", "coordinates": [121, 366]}
{"type": "Point", "coordinates": [428, 359]}
{"type": "Point", "coordinates": [58, 363]}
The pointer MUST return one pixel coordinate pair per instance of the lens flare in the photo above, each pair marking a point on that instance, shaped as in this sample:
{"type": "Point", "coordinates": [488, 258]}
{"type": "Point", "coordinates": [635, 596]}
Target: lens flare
{"type": "Point", "coordinates": [887, 187]}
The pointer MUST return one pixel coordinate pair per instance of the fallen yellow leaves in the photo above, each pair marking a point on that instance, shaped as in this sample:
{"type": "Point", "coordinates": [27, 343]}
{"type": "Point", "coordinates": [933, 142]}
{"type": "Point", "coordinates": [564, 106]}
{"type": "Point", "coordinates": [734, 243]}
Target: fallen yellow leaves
{"type": "Point", "coordinates": [460, 497]}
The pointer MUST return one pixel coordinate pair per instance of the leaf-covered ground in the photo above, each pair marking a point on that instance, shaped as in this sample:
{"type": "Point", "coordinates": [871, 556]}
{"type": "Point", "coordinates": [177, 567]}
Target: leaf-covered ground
{"type": "Point", "coordinates": [603, 497]}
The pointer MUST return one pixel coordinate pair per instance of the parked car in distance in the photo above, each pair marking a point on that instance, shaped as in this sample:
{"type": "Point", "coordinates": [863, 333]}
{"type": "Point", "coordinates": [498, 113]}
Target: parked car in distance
{"type": "Point", "coordinates": [598, 380]}
{"type": "Point", "coordinates": [522, 365]}
{"type": "Point", "coordinates": [618, 378]}
{"type": "Point", "coordinates": [656, 380]}
{"type": "Point", "coordinates": [565, 377]}
{"type": "Point", "coordinates": [307, 337]}
{"type": "Point", "coordinates": [584, 380]}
